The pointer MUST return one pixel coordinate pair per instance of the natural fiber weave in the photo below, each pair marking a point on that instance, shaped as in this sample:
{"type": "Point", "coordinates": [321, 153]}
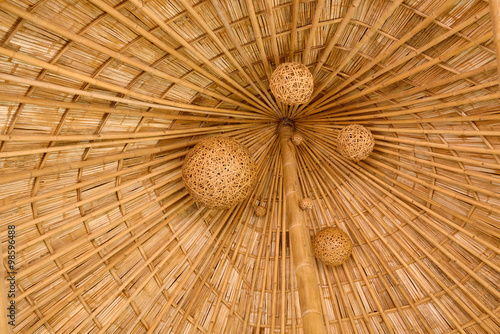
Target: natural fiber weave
{"type": "Point", "coordinates": [219, 172]}
{"type": "Point", "coordinates": [355, 142]}
{"type": "Point", "coordinates": [297, 139]}
{"type": "Point", "coordinates": [260, 211]}
{"type": "Point", "coordinates": [332, 246]}
{"type": "Point", "coordinates": [292, 83]}
{"type": "Point", "coordinates": [306, 204]}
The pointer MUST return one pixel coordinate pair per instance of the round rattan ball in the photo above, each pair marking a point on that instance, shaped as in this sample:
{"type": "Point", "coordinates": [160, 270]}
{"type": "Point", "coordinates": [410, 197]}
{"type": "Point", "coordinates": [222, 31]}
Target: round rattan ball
{"type": "Point", "coordinates": [306, 204]}
{"type": "Point", "coordinates": [219, 172]}
{"type": "Point", "coordinates": [292, 83]}
{"type": "Point", "coordinates": [260, 211]}
{"type": "Point", "coordinates": [332, 246]}
{"type": "Point", "coordinates": [355, 142]}
{"type": "Point", "coordinates": [297, 139]}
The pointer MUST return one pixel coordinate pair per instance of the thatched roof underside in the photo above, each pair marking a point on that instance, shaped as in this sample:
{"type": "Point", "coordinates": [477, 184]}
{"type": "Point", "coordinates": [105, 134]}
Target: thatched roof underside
{"type": "Point", "coordinates": [101, 100]}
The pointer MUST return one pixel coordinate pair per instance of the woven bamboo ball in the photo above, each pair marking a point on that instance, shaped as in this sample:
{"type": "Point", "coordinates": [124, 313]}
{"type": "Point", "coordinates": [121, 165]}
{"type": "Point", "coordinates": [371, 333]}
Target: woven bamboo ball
{"type": "Point", "coordinates": [292, 83]}
{"type": "Point", "coordinates": [219, 172]}
{"type": "Point", "coordinates": [355, 142]}
{"type": "Point", "coordinates": [306, 204]}
{"type": "Point", "coordinates": [260, 211]}
{"type": "Point", "coordinates": [332, 246]}
{"type": "Point", "coordinates": [297, 139]}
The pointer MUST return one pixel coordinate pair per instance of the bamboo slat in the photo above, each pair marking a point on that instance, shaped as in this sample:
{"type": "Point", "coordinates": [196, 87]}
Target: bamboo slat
{"type": "Point", "coordinates": [101, 101]}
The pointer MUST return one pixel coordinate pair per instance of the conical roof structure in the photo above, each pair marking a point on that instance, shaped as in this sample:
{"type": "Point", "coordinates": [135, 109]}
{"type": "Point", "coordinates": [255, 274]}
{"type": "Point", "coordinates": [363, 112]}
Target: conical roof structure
{"type": "Point", "coordinates": [100, 101]}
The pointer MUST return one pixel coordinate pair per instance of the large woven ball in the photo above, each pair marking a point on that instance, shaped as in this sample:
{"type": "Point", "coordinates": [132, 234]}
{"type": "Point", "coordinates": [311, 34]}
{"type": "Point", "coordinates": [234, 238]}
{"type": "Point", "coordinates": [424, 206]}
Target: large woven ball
{"type": "Point", "coordinates": [219, 172]}
{"type": "Point", "coordinates": [355, 142]}
{"type": "Point", "coordinates": [292, 83]}
{"type": "Point", "coordinates": [332, 246]}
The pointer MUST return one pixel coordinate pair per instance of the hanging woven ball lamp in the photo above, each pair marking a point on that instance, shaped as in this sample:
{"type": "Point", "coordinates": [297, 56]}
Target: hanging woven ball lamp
{"type": "Point", "coordinates": [219, 172]}
{"type": "Point", "coordinates": [260, 211]}
{"type": "Point", "coordinates": [297, 139]}
{"type": "Point", "coordinates": [332, 246]}
{"type": "Point", "coordinates": [306, 204]}
{"type": "Point", "coordinates": [355, 142]}
{"type": "Point", "coordinates": [292, 83]}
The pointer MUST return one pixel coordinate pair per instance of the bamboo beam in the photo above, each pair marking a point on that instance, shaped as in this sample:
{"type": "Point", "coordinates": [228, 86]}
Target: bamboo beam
{"type": "Point", "coordinates": [305, 268]}
{"type": "Point", "coordinates": [495, 17]}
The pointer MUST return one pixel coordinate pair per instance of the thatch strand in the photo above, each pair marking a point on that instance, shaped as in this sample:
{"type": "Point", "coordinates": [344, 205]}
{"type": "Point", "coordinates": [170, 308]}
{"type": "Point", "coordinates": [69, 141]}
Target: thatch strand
{"type": "Point", "coordinates": [101, 102]}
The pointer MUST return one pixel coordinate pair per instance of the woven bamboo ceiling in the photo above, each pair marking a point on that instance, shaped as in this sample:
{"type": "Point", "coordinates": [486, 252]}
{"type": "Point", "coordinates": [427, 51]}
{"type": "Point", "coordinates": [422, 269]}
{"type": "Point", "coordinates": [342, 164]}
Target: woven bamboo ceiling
{"type": "Point", "coordinates": [101, 100]}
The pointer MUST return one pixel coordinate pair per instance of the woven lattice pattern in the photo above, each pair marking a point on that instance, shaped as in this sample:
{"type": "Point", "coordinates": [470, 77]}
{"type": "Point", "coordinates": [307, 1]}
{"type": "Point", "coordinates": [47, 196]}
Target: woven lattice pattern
{"type": "Point", "coordinates": [297, 139]}
{"type": "Point", "coordinates": [306, 204]}
{"type": "Point", "coordinates": [355, 142]}
{"type": "Point", "coordinates": [101, 101]}
{"type": "Point", "coordinates": [332, 246]}
{"type": "Point", "coordinates": [260, 211]}
{"type": "Point", "coordinates": [292, 83]}
{"type": "Point", "coordinates": [219, 172]}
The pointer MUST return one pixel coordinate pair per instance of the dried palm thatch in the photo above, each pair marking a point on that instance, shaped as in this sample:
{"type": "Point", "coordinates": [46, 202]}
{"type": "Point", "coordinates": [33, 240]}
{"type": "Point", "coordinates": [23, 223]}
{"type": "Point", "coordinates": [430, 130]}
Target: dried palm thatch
{"type": "Point", "coordinates": [101, 101]}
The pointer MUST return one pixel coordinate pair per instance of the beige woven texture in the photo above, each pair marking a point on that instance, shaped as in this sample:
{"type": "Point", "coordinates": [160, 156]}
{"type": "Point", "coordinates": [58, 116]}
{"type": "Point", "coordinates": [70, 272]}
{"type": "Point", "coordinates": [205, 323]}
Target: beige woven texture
{"type": "Point", "coordinates": [332, 246]}
{"type": "Point", "coordinates": [292, 83]}
{"type": "Point", "coordinates": [306, 204]}
{"type": "Point", "coordinates": [101, 101]}
{"type": "Point", "coordinates": [260, 211]}
{"type": "Point", "coordinates": [219, 172]}
{"type": "Point", "coordinates": [355, 142]}
{"type": "Point", "coordinates": [297, 139]}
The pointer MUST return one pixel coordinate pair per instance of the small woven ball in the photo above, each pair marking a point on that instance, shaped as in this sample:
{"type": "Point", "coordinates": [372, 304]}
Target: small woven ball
{"type": "Point", "coordinates": [306, 204]}
{"type": "Point", "coordinates": [219, 172]}
{"type": "Point", "coordinates": [260, 211]}
{"type": "Point", "coordinates": [355, 142]}
{"type": "Point", "coordinates": [292, 83]}
{"type": "Point", "coordinates": [332, 246]}
{"type": "Point", "coordinates": [297, 139]}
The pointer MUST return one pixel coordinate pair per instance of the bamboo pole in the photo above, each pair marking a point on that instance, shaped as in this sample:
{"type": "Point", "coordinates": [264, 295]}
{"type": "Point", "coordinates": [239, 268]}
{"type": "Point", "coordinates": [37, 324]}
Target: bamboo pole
{"type": "Point", "coordinates": [495, 17]}
{"type": "Point", "coordinates": [305, 268]}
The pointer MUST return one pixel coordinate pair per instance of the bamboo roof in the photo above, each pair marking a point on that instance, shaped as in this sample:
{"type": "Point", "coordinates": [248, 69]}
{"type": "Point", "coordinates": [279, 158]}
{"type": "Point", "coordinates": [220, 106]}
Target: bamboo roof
{"type": "Point", "coordinates": [101, 100]}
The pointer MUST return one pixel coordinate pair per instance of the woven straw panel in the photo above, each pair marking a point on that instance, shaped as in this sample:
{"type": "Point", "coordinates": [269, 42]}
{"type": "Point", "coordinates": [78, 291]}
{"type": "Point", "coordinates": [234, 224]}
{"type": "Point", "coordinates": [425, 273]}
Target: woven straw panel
{"type": "Point", "coordinates": [101, 100]}
{"type": "Point", "coordinates": [355, 142]}
{"type": "Point", "coordinates": [219, 172]}
{"type": "Point", "coordinates": [332, 246]}
{"type": "Point", "coordinates": [292, 83]}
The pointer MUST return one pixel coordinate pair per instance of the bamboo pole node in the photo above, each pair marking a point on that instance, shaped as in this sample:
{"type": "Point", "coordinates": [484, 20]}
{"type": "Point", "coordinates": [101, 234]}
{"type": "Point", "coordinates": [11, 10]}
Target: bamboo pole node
{"type": "Point", "coordinates": [260, 211]}
{"type": "Point", "coordinates": [355, 142]}
{"type": "Point", "coordinates": [332, 246]}
{"type": "Point", "coordinates": [219, 172]}
{"type": "Point", "coordinates": [292, 83]}
{"type": "Point", "coordinates": [297, 139]}
{"type": "Point", "coordinates": [306, 204]}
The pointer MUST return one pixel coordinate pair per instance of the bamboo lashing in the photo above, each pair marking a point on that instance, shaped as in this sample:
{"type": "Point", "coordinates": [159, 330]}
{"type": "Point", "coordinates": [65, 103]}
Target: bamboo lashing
{"type": "Point", "coordinates": [305, 269]}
